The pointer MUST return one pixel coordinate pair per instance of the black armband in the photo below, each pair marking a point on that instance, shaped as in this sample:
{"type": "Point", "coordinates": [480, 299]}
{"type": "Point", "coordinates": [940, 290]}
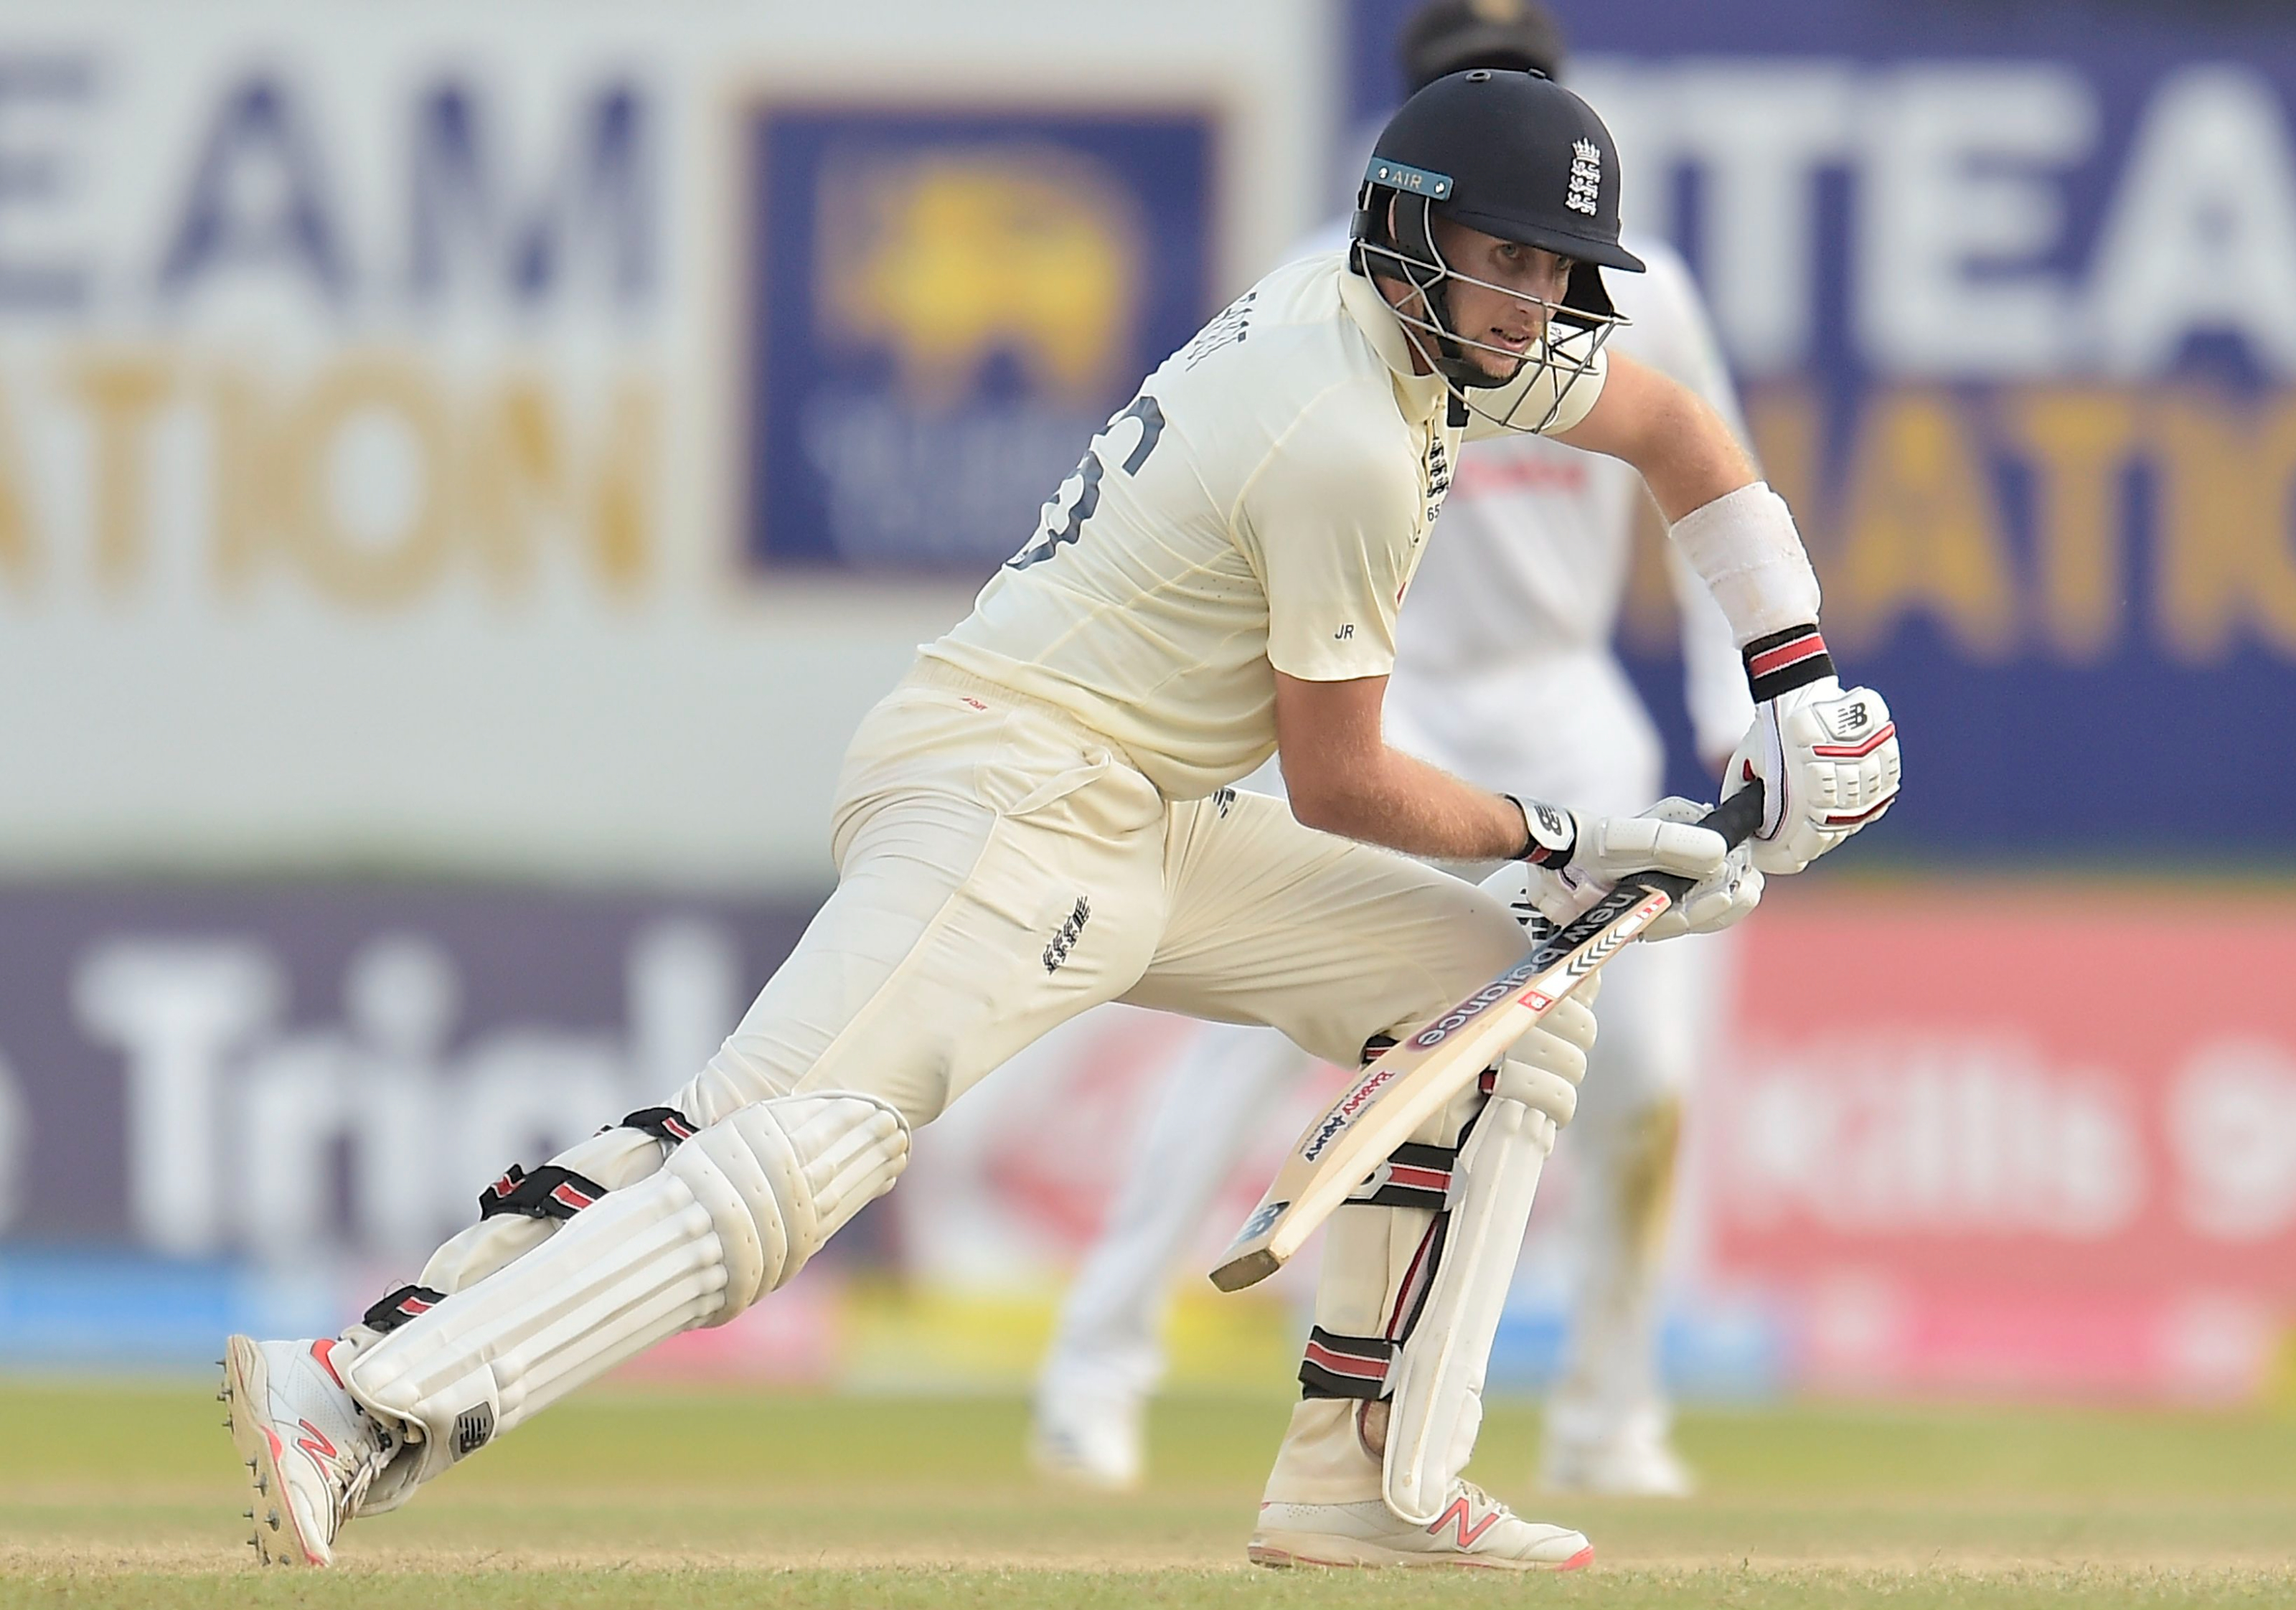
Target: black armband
{"type": "Point", "coordinates": [1781, 661]}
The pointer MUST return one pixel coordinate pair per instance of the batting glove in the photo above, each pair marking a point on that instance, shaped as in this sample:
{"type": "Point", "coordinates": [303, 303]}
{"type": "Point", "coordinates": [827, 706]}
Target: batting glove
{"type": "Point", "coordinates": [1575, 860]}
{"type": "Point", "coordinates": [1827, 759]}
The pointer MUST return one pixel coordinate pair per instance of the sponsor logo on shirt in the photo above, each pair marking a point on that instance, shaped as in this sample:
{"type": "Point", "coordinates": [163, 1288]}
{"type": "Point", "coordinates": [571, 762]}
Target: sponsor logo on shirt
{"type": "Point", "coordinates": [1070, 931]}
{"type": "Point", "coordinates": [1229, 328]}
{"type": "Point", "coordinates": [1439, 477]}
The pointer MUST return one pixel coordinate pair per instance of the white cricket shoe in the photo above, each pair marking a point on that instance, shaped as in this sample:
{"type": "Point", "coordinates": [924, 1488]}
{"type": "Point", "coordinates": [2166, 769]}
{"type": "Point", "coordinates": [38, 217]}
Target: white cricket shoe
{"type": "Point", "coordinates": [310, 1449]}
{"type": "Point", "coordinates": [1475, 1531]}
{"type": "Point", "coordinates": [1629, 1466]}
{"type": "Point", "coordinates": [1089, 1438]}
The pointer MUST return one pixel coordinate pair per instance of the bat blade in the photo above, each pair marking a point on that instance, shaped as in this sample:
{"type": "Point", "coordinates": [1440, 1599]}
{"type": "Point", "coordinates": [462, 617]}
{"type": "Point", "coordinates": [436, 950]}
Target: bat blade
{"type": "Point", "coordinates": [1413, 1079]}
{"type": "Point", "coordinates": [1410, 1082]}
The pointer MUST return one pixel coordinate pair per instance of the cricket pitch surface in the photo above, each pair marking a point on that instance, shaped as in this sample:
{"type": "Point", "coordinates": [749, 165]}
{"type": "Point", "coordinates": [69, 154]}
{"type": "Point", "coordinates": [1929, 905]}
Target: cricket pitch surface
{"type": "Point", "coordinates": [702, 1497]}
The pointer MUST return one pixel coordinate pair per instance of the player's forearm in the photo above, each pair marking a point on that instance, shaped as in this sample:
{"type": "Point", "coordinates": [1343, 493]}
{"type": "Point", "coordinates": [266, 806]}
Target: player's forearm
{"type": "Point", "coordinates": [1685, 452]}
{"type": "Point", "coordinates": [1387, 797]}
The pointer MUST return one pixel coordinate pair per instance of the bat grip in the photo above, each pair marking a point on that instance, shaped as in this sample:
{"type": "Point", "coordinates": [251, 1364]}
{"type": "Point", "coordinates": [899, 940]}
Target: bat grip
{"type": "Point", "coordinates": [1735, 819]}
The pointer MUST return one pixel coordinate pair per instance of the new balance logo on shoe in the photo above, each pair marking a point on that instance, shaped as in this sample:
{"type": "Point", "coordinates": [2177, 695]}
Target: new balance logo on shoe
{"type": "Point", "coordinates": [314, 1441]}
{"type": "Point", "coordinates": [1458, 1516]}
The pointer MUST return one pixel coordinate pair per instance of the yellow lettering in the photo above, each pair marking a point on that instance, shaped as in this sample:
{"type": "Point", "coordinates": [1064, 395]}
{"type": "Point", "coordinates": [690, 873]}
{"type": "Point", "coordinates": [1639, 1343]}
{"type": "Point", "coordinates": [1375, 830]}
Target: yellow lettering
{"type": "Point", "coordinates": [120, 391]}
{"type": "Point", "coordinates": [1790, 441]}
{"type": "Point", "coordinates": [2224, 554]}
{"type": "Point", "coordinates": [363, 568]}
{"type": "Point", "coordinates": [520, 476]}
{"type": "Point", "coordinates": [621, 508]}
{"type": "Point", "coordinates": [2080, 441]}
{"type": "Point", "coordinates": [20, 543]}
{"type": "Point", "coordinates": [245, 481]}
{"type": "Point", "coordinates": [1921, 533]}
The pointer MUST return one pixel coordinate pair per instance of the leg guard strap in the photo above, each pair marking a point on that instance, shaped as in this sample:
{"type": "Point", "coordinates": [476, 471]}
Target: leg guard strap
{"type": "Point", "coordinates": [396, 1307]}
{"type": "Point", "coordinates": [1414, 1176]}
{"type": "Point", "coordinates": [1345, 1367]}
{"type": "Point", "coordinates": [550, 1192]}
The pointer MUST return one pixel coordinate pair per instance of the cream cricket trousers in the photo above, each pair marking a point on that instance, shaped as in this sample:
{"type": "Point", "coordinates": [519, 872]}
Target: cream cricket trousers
{"type": "Point", "coordinates": [1001, 868]}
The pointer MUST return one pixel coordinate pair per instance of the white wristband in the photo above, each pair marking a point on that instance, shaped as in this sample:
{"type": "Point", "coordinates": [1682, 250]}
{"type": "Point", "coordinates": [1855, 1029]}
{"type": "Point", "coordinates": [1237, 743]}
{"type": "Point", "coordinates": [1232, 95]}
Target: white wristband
{"type": "Point", "coordinates": [1744, 547]}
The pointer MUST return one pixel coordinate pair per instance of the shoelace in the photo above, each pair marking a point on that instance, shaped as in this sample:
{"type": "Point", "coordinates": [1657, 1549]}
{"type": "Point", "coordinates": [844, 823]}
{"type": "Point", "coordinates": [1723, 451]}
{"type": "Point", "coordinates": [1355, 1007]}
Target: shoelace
{"type": "Point", "coordinates": [1476, 1495]}
{"type": "Point", "coordinates": [356, 1471]}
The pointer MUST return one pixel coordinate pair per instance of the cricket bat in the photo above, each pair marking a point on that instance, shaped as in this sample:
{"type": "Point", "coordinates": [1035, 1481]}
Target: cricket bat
{"type": "Point", "coordinates": [1413, 1079]}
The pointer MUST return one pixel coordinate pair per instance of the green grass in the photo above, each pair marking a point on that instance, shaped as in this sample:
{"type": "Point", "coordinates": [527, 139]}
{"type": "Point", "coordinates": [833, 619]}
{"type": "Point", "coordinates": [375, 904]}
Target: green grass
{"type": "Point", "coordinates": [111, 1496]}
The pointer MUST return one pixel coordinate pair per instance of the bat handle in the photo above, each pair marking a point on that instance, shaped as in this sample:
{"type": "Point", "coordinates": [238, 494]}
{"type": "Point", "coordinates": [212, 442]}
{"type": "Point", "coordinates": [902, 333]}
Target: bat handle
{"type": "Point", "coordinates": [1736, 818]}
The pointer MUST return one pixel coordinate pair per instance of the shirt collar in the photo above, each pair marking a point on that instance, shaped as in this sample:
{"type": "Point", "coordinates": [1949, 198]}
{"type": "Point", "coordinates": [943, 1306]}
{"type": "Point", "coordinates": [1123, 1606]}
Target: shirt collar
{"type": "Point", "coordinates": [1420, 396]}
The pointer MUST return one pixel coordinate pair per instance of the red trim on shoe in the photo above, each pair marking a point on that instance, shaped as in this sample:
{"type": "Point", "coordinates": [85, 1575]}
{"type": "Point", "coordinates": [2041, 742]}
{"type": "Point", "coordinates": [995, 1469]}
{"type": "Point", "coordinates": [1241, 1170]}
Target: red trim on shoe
{"type": "Point", "coordinates": [1578, 1561]}
{"type": "Point", "coordinates": [319, 1351]}
{"type": "Point", "coordinates": [314, 1442]}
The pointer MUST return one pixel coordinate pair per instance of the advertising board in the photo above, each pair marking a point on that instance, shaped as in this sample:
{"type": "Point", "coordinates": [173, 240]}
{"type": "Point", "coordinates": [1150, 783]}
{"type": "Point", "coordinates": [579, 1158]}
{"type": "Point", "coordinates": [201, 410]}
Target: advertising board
{"type": "Point", "coordinates": [376, 389]}
{"type": "Point", "coordinates": [2022, 1137]}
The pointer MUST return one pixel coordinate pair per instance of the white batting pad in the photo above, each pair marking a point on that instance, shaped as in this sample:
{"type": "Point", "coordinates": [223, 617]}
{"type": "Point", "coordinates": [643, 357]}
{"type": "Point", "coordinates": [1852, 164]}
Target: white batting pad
{"type": "Point", "coordinates": [733, 1212]}
{"type": "Point", "coordinates": [1437, 1379]}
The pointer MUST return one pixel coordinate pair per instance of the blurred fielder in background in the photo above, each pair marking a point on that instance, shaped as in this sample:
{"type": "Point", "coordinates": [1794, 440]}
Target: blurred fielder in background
{"type": "Point", "coordinates": [1504, 675]}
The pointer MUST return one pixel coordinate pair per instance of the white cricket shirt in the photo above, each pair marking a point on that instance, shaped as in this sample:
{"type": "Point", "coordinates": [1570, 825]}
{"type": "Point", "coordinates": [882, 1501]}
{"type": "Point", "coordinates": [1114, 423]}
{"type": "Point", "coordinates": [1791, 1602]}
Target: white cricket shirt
{"type": "Point", "coordinates": [1262, 505]}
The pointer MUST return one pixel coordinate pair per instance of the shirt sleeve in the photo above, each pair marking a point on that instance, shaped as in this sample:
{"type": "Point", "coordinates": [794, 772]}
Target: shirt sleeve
{"type": "Point", "coordinates": [1328, 522]}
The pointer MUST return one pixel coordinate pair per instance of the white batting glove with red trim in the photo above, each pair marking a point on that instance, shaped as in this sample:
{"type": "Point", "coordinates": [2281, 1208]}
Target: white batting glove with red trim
{"type": "Point", "coordinates": [1827, 759]}
{"type": "Point", "coordinates": [1559, 880]}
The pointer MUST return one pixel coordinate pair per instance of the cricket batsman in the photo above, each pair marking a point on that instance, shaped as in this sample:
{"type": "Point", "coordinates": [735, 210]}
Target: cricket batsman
{"type": "Point", "coordinates": [1037, 820]}
{"type": "Point", "coordinates": [1504, 676]}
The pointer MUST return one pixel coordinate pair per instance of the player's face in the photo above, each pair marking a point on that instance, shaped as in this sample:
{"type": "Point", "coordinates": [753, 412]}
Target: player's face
{"type": "Point", "coordinates": [1510, 318]}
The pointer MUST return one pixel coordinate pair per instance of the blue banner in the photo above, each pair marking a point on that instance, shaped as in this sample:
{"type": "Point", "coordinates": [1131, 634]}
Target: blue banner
{"type": "Point", "coordinates": [2012, 290]}
{"type": "Point", "coordinates": [945, 306]}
